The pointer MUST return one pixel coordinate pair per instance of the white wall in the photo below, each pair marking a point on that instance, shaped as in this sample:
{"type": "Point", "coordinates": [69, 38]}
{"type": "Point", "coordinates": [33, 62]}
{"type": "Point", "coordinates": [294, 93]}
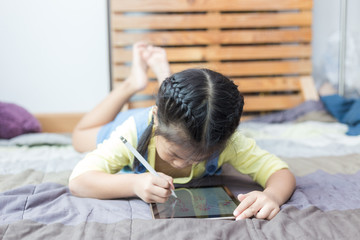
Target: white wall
{"type": "Point", "coordinates": [54, 54]}
{"type": "Point", "coordinates": [326, 15]}
{"type": "Point", "coordinates": [325, 44]}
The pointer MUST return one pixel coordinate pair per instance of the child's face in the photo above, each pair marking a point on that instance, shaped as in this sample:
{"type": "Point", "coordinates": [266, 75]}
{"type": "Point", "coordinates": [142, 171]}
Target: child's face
{"type": "Point", "coordinates": [177, 156]}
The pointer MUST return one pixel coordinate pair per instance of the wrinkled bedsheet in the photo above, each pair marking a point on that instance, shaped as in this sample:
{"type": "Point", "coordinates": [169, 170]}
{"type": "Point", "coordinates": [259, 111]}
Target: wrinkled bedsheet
{"type": "Point", "coordinates": [35, 202]}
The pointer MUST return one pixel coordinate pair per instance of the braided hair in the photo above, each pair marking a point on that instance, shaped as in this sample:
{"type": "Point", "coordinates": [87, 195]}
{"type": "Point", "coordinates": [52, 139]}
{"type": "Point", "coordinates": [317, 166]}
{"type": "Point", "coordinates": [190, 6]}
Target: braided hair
{"type": "Point", "coordinates": [197, 108]}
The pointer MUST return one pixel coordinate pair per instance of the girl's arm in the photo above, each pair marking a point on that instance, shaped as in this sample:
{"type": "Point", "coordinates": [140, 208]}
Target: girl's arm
{"type": "Point", "coordinates": [280, 186]}
{"type": "Point", "coordinates": [266, 204]}
{"type": "Point", "coordinates": [101, 185]}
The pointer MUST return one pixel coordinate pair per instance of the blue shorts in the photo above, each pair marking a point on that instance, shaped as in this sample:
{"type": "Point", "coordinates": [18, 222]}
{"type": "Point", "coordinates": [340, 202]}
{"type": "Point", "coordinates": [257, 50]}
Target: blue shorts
{"type": "Point", "coordinates": [105, 132]}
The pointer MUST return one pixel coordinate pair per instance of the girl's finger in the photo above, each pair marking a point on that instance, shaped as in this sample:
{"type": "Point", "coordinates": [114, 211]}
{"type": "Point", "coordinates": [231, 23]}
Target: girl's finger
{"type": "Point", "coordinates": [264, 212]}
{"type": "Point", "coordinates": [158, 199]}
{"type": "Point", "coordinates": [169, 179]}
{"type": "Point", "coordinates": [165, 176]}
{"type": "Point", "coordinates": [241, 197]}
{"type": "Point", "coordinates": [245, 204]}
{"type": "Point", "coordinates": [273, 213]}
{"type": "Point", "coordinates": [247, 213]}
{"type": "Point", "coordinates": [161, 182]}
{"type": "Point", "coordinates": [161, 192]}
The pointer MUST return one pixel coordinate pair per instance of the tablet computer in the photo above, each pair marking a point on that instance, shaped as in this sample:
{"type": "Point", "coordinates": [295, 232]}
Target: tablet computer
{"type": "Point", "coordinates": [216, 202]}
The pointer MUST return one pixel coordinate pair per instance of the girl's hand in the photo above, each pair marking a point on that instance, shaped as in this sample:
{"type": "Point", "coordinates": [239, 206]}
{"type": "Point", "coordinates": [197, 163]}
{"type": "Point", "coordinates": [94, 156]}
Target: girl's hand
{"type": "Point", "coordinates": [151, 188]}
{"type": "Point", "coordinates": [258, 204]}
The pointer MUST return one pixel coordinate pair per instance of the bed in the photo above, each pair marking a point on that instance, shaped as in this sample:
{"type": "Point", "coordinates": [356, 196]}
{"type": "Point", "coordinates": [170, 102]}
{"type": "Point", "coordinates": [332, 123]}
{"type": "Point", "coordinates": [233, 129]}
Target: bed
{"type": "Point", "coordinates": [282, 113]}
{"type": "Point", "coordinates": [35, 201]}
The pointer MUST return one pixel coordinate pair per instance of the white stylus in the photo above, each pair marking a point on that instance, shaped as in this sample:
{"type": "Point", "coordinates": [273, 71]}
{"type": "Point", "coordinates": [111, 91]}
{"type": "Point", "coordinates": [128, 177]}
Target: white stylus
{"type": "Point", "coordinates": [142, 160]}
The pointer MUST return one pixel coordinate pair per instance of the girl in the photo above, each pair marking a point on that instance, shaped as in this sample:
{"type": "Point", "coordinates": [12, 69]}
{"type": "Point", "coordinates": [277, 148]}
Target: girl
{"type": "Point", "coordinates": [190, 133]}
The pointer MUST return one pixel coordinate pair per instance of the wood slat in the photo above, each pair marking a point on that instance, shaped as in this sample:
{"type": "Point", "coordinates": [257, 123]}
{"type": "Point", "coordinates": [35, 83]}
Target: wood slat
{"type": "Point", "coordinates": [268, 84]}
{"type": "Point", "coordinates": [211, 21]}
{"type": "Point", "coordinates": [248, 85]}
{"type": "Point", "coordinates": [58, 122]}
{"type": "Point", "coordinates": [302, 35]}
{"type": "Point", "coordinates": [217, 53]}
{"type": "Point", "coordinates": [206, 5]}
{"type": "Point", "coordinates": [271, 103]}
{"type": "Point", "coordinates": [236, 69]}
{"type": "Point", "coordinates": [252, 103]}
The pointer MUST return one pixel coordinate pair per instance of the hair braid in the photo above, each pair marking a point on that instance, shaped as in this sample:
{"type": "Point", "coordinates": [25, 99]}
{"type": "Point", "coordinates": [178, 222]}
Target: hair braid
{"type": "Point", "coordinates": [202, 105]}
{"type": "Point", "coordinates": [176, 99]}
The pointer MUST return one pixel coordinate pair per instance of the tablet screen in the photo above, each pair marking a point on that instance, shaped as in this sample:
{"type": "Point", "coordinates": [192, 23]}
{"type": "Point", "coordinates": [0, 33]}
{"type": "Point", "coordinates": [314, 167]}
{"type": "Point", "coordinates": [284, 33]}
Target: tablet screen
{"type": "Point", "coordinates": [203, 202]}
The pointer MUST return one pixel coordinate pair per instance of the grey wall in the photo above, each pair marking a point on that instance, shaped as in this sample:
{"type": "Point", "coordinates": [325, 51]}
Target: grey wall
{"type": "Point", "coordinates": [326, 31]}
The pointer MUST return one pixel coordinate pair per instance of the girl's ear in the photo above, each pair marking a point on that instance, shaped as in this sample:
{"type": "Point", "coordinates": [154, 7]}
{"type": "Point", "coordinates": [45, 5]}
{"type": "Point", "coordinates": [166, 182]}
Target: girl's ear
{"type": "Point", "coordinates": [154, 112]}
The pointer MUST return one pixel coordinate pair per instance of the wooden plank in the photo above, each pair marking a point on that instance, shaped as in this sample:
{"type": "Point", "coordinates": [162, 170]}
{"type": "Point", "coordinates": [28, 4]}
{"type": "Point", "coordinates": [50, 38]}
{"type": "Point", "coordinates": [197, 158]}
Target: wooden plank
{"type": "Point", "coordinates": [268, 84]}
{"type": "Point", "coordinates": [252, 103]}
{"type": "Point", "coordinates": [236, 68]}
{"type": "Point", "coordinates": [58, 122]}
{"type": "Point", "coordinates": [246, 85]}
{"type": "Point", "coordinates": [211, 21]}
{"type": "Point", "coordinates": [271, 103]}
{"type": "Point", "coordinates": [217, 53]}
{"type": "Point", "coordinates": [302, 35]}
{"type": "Point", "coordinates": [206, 5]}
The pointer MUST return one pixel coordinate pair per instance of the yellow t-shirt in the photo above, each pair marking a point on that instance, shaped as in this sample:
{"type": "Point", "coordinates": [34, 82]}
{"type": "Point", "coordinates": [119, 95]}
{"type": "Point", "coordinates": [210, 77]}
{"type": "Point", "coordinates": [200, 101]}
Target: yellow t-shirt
{"type": "Point", "coordinates": [241, 152]}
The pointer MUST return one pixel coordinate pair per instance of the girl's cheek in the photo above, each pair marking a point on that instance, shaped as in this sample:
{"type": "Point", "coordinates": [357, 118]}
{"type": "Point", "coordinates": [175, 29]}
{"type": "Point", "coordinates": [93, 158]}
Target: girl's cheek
{"type": "Point", "coordinates": [181, 163]}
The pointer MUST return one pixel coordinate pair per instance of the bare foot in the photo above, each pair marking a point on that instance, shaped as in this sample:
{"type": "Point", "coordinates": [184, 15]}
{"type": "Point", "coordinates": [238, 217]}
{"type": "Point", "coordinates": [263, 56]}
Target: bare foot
{"type": "Point", "coordinates": [138, 78]}
{"type": "Point", "coordinates": [156, 59]}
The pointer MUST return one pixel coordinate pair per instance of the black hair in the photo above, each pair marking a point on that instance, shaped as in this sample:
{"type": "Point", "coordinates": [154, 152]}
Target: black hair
{"type": "Point", "coordinates": [197, 108]}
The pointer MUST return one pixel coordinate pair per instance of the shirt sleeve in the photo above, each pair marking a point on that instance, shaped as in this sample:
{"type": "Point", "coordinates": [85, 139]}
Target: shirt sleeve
{"type": "Point", "coordinates": [111, 155]}
{"type": "Point", "coordinates": [247, 158]}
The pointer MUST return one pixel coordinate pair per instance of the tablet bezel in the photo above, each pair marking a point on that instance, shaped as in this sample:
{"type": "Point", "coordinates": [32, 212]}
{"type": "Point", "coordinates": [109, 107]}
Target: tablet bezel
{"type": "Point", "coordinates": [156, 215]}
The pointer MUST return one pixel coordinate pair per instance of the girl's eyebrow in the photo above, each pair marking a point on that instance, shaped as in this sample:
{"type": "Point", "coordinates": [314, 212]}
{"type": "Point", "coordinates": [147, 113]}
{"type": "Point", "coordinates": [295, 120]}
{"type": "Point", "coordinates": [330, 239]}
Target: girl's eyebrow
{"type": "Point", "coordinates": [174, 154]}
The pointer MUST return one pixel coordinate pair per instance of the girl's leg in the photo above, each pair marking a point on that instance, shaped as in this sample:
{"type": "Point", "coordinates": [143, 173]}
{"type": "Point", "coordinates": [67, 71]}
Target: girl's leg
{"type": "Point", "coordinates": [85, 133]}
{"type": "Point", "coordinates": [156, 59]}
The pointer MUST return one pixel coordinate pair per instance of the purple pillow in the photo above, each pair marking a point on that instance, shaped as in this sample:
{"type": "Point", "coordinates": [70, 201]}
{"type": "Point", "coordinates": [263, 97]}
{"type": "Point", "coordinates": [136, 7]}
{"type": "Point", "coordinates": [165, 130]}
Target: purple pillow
{"type": "Point", "coordinates": [15, 120]}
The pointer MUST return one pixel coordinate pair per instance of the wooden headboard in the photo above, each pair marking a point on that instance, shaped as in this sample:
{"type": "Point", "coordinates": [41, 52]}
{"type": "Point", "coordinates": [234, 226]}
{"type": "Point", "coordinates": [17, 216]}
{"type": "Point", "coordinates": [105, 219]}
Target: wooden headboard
{"type": "Point", "coordinates": [264, 46]}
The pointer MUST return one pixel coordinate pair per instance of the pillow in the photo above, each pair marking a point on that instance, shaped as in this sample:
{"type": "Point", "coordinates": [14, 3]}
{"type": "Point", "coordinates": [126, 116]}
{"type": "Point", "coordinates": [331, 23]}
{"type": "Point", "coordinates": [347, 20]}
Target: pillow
{"type": "Point", "coordinates": [15, 120]}
{"type": "Point", "coordinates": [36, 139]}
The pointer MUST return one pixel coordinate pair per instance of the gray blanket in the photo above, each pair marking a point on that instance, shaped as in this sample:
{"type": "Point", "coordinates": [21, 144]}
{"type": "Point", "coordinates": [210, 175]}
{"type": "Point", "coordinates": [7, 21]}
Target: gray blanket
{"type": "Point", "coordinates": [35, 202]}
{"type": "Point", "coordinates": [290, 223]}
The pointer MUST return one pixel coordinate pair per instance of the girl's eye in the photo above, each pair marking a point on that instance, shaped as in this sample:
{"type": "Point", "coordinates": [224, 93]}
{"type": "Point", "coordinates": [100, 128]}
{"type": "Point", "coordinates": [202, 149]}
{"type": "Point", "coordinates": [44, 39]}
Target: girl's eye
{"type": "Point", "coordinates": [173, 155]}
